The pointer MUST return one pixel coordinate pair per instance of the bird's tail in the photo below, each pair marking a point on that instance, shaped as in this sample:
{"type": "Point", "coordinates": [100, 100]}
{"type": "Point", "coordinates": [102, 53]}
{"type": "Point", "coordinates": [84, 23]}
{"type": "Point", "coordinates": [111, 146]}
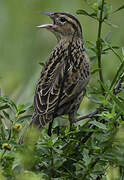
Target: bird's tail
{"type": "Point", "coordinates": [37, 122]}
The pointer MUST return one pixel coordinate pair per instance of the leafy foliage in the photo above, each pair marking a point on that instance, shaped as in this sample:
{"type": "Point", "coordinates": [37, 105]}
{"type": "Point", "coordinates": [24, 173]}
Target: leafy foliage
{"type": "Point", "coordinates": [92, 150]}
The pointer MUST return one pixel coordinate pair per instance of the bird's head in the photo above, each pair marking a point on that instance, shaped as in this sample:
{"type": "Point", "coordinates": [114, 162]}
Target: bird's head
{"type": "Point", "coordinates": [64, 25]}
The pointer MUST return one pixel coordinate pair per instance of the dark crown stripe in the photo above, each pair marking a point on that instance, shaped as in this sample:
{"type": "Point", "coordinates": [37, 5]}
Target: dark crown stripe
{"type": "Point", "coordinates": [74, 18]}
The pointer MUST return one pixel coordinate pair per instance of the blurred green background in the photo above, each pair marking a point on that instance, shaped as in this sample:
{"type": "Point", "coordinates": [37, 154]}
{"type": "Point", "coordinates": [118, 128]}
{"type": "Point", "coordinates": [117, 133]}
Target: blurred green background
{"type": "Point", "coordinates": [23, 46]}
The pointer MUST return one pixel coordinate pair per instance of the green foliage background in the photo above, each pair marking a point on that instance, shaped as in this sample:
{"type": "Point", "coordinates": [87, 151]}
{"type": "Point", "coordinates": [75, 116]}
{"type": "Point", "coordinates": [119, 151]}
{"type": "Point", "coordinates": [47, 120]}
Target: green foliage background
{"type": "Point", "coordinates": [22, 46]}
{"type": "Point", "coordinates": [92, 149]}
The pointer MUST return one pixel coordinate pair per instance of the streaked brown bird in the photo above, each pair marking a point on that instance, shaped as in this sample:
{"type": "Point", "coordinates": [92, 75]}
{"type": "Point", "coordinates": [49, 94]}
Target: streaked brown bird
{"type": "Point", "coordinates": [66, 72]}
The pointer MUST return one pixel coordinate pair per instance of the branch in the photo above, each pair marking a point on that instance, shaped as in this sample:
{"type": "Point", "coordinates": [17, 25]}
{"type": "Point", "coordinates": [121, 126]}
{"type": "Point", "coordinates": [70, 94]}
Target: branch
{"type": "Point", "coordinates": [99, 45]}
{"type": "Point", "coordinates": [90, 115]}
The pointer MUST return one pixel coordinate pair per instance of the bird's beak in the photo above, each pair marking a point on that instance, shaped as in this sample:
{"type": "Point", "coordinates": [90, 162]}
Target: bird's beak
{"type": "Point", "coordinates": [47, 26]}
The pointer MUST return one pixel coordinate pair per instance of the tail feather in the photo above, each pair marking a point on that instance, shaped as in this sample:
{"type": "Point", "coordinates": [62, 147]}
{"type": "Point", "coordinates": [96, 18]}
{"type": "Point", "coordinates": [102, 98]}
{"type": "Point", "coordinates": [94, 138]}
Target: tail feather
{"type": "Point", "coordinates": [38, 121]}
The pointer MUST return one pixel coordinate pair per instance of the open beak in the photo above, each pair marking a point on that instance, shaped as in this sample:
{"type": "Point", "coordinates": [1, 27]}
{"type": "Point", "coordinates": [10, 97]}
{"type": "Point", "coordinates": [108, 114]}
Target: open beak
{"type": "Point", "coordinates": [47, 26]}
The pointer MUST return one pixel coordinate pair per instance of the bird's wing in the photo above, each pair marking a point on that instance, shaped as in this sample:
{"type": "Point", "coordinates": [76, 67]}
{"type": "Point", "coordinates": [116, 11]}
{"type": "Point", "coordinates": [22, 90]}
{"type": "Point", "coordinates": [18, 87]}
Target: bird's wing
{"type": "Point", "coordinates": [49, 87]}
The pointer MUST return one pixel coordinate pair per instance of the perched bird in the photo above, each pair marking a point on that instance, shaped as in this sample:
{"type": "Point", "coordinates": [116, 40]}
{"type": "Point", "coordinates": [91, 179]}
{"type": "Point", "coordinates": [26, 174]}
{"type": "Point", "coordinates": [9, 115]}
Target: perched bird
{"type": "Point", "coordinates": [65, 74]}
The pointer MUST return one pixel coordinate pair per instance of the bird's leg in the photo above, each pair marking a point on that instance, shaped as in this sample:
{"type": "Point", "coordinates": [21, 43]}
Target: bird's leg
{"type": "Point", "coordinates": [58, 131]}
{"type": "Point", "coordinates": [75, 105]}
{"type": "Point", "coordinates": [50, 128]}
{"type": "Point", "coordinates": [72, 117]}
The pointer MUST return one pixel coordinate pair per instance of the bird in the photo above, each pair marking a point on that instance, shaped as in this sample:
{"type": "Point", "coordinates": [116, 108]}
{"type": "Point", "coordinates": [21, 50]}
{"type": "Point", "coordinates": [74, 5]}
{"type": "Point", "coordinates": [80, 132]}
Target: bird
{"type": "Point", "coordinates": [65, 74]}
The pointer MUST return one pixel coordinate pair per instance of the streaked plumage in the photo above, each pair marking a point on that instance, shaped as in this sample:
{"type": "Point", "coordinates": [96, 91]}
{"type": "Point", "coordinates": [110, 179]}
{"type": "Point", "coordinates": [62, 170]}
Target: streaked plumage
{"type": "Point", "coordinates": [65, 75]}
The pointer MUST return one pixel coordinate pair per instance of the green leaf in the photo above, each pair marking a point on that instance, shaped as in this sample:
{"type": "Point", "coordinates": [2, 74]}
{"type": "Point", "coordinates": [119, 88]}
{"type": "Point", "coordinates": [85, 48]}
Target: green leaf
{"type": "Point", "coordinates": [94, 50]}
{"type": "Point", "coordinates": [4, 107]}
{"type": "Point", "coordinates": [91, 43]}
{"type": "Point", "coordinates": [120, 8]}
{"type": "Point", "coordinates": [8, 101]}
{"type": "Point", "coordinates": [81, 11]}
{"type": "Point", "coordinates": [21, 112]}
{"type": "Point", "coordinates": [42, 64]}
{"type": "Point", "coordinates": [108, 37]}
{"type": "Point", "coordinates": [6, 114]}
{"type": "Point", "coordinates": [95, 70]}
{"type": "Point", "coordinates": [119, 71]}
{"type": "Point", "coordinates": [95, 6]}
{"type": "Point", "coordinates": [93, 58]}
{"type": "Point", "coordinates": [98, 124]}
{"type": "Point", "coordinates": [24, 117]}
{"type": "Point", "coordinates": [85, 13]}
{"type": "Point", "coordinates": [86, 157]}
{"type": "Point", "coordinates": [120, 68]}
{"type": "Point", "coordinates": [117, 101]}
{"type": "Point", "coordinates": [20, 107]}
{"type": "Point", "coordinates": [123, 51]}
{"type": "Point", "coordinates": [113, 50]}
{"type": "Point", "coordinates": [107, 10]}
{"type": "Point", "coordinates": [110, 24]}
{"type": "Point", "coordinates": [95, 100]}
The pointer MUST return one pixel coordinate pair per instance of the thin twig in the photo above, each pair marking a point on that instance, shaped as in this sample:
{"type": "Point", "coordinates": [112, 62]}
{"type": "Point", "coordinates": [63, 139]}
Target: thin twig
{"type": "Point", "coordinates": [90, 115]}
{"type": "Point", "coordinates": [99, 45]}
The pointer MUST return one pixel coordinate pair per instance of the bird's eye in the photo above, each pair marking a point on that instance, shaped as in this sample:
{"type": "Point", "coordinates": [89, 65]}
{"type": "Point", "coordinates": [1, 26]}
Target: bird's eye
{"type": "Point", "coordinates": [62, 19]}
